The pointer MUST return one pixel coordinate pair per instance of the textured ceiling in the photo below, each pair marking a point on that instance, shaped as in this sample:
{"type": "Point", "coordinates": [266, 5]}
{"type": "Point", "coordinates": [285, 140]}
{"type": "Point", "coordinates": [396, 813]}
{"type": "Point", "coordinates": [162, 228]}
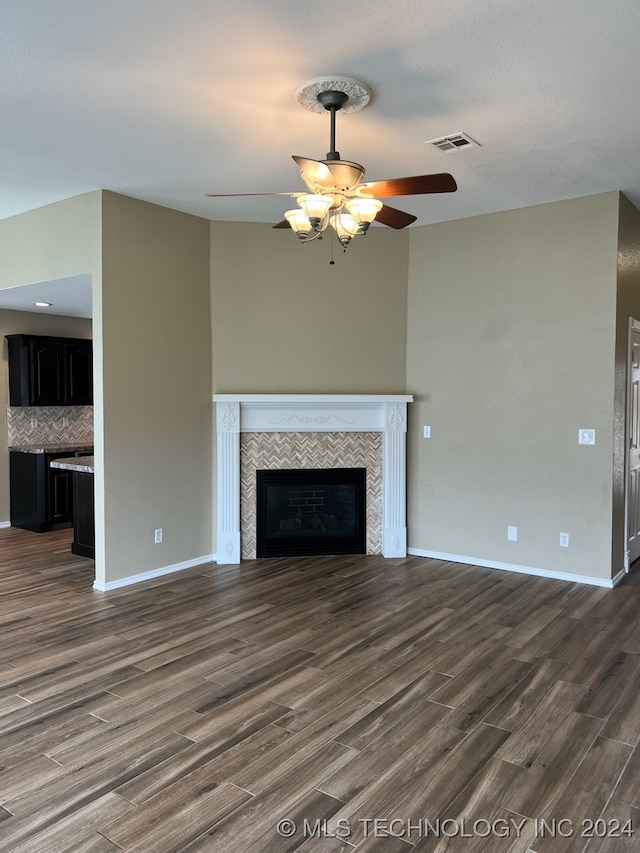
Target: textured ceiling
{"type": "Point", "coordinates": [166, 100]}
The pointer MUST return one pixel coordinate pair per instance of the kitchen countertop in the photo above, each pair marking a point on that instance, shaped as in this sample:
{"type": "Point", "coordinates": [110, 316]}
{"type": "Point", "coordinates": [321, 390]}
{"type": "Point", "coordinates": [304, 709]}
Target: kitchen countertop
{"type": "Point", "coordinates": [50, 448]}
{"type": "Point", "coordinates": [80, 464]}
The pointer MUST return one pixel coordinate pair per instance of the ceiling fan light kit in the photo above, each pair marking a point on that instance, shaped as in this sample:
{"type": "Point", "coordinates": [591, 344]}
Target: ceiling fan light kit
{"type": "Point", "coordinates": [332, 181]}
{"type": "Point", "coordinates": [337, 195]}
{"type": "Point", "coordinates": [316, 207]}
{"type": "Point", "coordinates": [299, 222]}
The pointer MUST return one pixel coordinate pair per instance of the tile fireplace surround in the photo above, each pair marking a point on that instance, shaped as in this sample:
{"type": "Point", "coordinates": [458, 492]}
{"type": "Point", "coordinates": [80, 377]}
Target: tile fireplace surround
{"type": "Point", "coordinates": [305, 415]}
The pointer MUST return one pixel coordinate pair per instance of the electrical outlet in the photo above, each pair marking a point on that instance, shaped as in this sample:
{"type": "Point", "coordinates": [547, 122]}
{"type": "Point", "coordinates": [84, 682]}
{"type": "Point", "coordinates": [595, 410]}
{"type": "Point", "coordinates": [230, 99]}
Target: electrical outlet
{"type": "Point", "coordinates": [426, 432]}
{"type": "Point", "coordinates": [564, 540]}
{"type": "Point", "coordinates": [34, 423]}
{"type": "Point", "coordinates": [157, 535]}
{"type": "Point", "coordinates": [586, 436]}
{"type": "Point", "coordinates": [512, 534]}
{"type": "Point", "coordinates": [65, 422]}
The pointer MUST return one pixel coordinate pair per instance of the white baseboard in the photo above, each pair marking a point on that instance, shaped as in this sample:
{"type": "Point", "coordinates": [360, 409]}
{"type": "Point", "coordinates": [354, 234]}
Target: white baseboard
{"type": "Point", "coordinates": [617, 578]}
{"type": "Point", "coordinates": [154, 573]}
{"type": "Point", "coordinates": [4, 524]}
{"type": "Point", "coordinates": [510, 567]}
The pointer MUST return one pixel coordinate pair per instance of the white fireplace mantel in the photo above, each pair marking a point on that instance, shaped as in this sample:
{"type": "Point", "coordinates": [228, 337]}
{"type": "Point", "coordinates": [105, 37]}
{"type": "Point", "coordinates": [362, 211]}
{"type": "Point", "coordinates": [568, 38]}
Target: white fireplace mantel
{"type": "Point", "coordinates": [238, 413]}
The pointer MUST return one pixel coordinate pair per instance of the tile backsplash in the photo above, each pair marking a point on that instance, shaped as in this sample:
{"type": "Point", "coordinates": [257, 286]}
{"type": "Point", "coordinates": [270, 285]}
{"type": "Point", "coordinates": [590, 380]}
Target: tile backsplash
{"type": "Point", "coordinates": [36, 425]}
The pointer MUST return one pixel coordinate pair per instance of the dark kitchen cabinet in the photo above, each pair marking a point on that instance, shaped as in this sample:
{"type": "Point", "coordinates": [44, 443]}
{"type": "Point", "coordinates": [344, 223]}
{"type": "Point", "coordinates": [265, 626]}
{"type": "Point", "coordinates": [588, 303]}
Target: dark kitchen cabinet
{"type": "Point", "coordinates": [40, 496]}
{"type": "Point", "coordinates": [48, 371]}
{"type": "Point", "coordinates": [45, 379]}
{"type": "Point", "coordinates": [83, 516]}
{"type": "Point", "coordinates": [78, 371]}
{"type": "Point", "coordinates": [60, 495]}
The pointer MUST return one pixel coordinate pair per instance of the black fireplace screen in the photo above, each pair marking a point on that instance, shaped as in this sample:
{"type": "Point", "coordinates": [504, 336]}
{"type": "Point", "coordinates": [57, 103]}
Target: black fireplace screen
{"type": "Point", "coordinates": [307, 511]}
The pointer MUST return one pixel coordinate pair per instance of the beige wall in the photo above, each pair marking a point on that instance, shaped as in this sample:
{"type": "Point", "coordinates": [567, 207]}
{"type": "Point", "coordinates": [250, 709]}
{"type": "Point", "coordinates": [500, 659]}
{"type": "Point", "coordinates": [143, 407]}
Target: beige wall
{"type": "Point", "coordinates": [511, 339]}
{"type": "Point", "coordinates": [155, 396]}
{"type": "Point", "coordinates": [29, 323]}
{"type": "Point", "coordinates": [508, 328]}
{"type": "Point", "coordinates": [55, 241]}
{"type": "Point", "coordinates": [286, 321]}
{"type": "Point", "coordinates": [152, 366]}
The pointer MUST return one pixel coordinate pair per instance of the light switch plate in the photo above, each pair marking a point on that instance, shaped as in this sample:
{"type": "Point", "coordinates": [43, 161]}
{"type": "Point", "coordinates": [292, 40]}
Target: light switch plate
{"type": "Point", "coordinates": [586, 436]}
{"type": "Point", "coordinates": [426, 432]}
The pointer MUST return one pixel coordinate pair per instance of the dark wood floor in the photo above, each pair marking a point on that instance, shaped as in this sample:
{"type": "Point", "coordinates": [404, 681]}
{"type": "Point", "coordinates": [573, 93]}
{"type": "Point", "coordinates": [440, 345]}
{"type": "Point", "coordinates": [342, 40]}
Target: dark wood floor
{"type": "Point", "coordinates": [324, 704]}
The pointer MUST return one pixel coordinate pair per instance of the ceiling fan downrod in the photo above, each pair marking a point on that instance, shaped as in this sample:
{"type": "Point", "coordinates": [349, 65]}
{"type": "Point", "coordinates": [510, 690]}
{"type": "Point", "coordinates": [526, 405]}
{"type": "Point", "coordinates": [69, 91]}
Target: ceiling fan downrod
{"type": "Point", "coordinates": [332, 101]}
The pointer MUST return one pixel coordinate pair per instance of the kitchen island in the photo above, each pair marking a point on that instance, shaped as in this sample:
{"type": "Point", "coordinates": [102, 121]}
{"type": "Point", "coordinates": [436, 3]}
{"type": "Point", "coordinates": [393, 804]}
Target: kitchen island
{"type": "Point", "coordinates": [41, 498]}
{"type": "Point", "coordinates": [82, 469]}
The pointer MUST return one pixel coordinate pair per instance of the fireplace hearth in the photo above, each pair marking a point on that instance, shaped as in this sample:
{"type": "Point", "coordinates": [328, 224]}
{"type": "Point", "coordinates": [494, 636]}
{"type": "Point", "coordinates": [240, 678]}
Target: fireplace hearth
{"type": "Point", "coordinates": [310, 511]}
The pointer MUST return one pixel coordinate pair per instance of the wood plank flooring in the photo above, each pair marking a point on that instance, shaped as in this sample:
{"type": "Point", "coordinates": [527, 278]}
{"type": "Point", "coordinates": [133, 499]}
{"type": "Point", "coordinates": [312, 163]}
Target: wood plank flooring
{"type": "Point", "coordinates": [330, 704]}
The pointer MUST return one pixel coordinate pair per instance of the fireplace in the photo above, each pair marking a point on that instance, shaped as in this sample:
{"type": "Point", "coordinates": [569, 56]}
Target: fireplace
{"type": "Point", "coordinates": [310, 511]}
{"type": "Point", "coordinates": [302, 431]}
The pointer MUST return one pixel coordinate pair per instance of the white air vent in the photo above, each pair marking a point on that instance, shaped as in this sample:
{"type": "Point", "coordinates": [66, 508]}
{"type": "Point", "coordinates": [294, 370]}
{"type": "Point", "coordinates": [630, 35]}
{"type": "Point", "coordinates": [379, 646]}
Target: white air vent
{"type": "Point", "coordinates": [454, 142]}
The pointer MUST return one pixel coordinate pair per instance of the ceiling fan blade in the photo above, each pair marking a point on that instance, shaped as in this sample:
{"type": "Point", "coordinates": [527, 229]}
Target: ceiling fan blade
{"type": "Point", "coordinates": [315, 173]}
{"type": "Point", "coordinates": [416, 185]}
{"type": "Point", "coordinates": [238, 195]}
{"type": "Point", "coordinates": [394, 218]}
{"type": "Point", "coordinates": [283, 224]}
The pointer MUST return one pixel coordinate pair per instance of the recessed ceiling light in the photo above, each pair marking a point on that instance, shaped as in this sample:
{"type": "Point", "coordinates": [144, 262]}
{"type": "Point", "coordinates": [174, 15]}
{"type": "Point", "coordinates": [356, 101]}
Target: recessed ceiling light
{"type": "Point", "coordinates": [43, 304]}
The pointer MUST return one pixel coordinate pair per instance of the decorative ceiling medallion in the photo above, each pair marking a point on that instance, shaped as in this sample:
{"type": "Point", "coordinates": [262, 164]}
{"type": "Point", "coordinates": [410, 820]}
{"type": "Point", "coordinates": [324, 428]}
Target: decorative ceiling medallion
{"type": "Point", "coordinates": [357, 92]}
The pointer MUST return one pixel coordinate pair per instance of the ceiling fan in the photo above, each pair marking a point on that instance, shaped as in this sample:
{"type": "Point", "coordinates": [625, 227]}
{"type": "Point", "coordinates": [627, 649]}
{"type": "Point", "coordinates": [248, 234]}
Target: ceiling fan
{"type": "Point", "coordinates": [336, 193]}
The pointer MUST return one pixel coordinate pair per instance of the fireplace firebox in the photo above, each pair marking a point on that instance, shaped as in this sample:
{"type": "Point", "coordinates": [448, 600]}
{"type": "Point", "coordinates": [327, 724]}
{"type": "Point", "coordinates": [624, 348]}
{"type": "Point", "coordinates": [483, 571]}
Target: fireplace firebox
{"type": "Point", "coordinates": [310, 511]}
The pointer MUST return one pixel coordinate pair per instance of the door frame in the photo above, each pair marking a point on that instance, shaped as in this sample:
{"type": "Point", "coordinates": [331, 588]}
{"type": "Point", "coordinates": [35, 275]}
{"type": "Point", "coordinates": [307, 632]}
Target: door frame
{"type": "Point", "coordinates": [634, 325]}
